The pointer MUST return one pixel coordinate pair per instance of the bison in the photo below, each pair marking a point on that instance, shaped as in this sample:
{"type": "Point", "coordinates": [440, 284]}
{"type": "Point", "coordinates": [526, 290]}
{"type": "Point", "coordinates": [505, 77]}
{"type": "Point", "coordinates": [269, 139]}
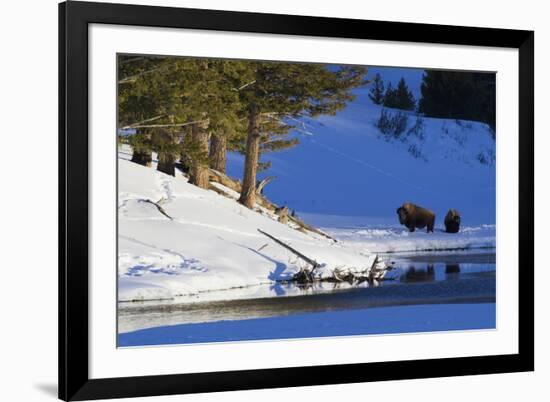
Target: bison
{"type": "Point", "coordinates": [413, 216]}
{"type": "Point", "coordinates": [452, 221]}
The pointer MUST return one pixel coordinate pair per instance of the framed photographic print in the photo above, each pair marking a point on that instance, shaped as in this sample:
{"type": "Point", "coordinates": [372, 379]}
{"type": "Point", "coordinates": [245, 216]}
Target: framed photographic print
{"type": "Point", "coordinates": [257, 201]}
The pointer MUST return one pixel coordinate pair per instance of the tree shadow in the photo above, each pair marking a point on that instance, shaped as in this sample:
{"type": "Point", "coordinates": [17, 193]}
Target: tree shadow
{"type": "Point", "coordinates": [276, 275]}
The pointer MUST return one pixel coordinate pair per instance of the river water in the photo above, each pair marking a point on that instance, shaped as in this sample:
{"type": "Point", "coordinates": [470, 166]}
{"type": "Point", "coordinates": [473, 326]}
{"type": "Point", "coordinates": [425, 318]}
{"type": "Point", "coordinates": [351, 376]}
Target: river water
{"type": "Point", "coordinates": [417, 279]}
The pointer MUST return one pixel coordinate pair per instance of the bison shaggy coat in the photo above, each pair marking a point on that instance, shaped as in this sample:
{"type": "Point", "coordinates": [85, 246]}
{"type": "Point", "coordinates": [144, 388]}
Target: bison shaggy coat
{"type": "Point", "coordinates": [415, 217]}
{"type": "Point", "coordinates": [452, 221]}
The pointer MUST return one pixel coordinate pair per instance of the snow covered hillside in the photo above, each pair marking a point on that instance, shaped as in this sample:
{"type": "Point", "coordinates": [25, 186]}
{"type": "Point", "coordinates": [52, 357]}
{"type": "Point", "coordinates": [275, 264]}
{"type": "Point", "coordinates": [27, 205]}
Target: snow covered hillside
{"type": "Point", "coordinates": [346, 166]}
{"type": "Point", "coordinates": [177, 239]}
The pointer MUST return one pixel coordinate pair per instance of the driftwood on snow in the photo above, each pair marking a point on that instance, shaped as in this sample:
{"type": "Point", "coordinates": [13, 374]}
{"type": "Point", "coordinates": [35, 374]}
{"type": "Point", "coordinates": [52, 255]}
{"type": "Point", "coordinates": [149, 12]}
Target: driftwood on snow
{"type": "Point", "coordinates": [343, 274]}
{"type": "Point", "coordinates": [225, 180]}
{"type": "Point", "coordinates": [282, 213]}
{"type": "Point", "coordinates": [304, 275]}
{"type": "Point", "coordinates": [314, 264]}
{"type": "Point", "coordinates": [160, 209]}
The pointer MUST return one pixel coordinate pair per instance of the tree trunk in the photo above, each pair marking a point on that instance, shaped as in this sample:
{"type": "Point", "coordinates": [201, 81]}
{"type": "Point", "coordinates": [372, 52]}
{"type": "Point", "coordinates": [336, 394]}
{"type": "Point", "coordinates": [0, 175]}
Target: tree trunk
{"type": "Point", "coordinates": [183, 165]}
{"type": "Point", "coordinates": [167, 141]}
{"type": "Point", "coordinates": [218, 152]}
{"type": "Point", "coordinates": [141, 149]}
{"type": "Point", "coordinates": [167, 163]}
{"type": "Point", "coordinates": [198, 172]}
{"type": "Point", "coordinates": [142, 157]}
{"type": "Point", "coordinates": [248, 193]}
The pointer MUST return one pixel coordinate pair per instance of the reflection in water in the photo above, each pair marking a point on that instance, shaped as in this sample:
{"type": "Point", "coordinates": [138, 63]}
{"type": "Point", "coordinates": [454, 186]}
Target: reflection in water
{"type": "Point", "coordinates": [427, 272]}
{"type": "Point", "coordinates": [452, 271]}
{"type": "Point", "coordinates": [414, 274]}
{"type": "Point", "coordinates": [304, 289]}
{"type": "Point", "coordinates": [441, 271]}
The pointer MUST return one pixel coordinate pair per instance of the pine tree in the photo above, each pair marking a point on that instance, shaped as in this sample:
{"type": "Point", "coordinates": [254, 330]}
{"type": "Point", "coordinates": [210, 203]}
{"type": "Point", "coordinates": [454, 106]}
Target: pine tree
{"type": "Point", "coordinates": [459, 95]}
{"type": "Point", "coordinates": [230, 125]}
{"type": "Point", "coordinates": [274, 137]}
{"type": "Point", "coordinates": [404, 97]}
{"type": "Point", "coordinates": [227, 128]}
{"type": "Point", "coordinates": [150, 101]}
{"type": "Point", "coordinates": [289, 90]}
{"type": "Point", "coordinates": [389, 97]}
{"type": "Point", "coordinates": [201, 97]}
{"type": "Point", "coordinates": [134, 105]}
{"type": "Point", "coordinates": [197, 109]}
{"type": "Point", "coordinates": [400, 97]}
{"type": "Point", "coordinates": [188, 99]}
{"type": "Point", "coordinates": [216, 99]}
{"type": "Point", "coordinates": [198, 172]}
{"type": "Point", "coordinates": [166, 144]}
{"type": "Point", "coordinates": [141, 147]}
{"type": "Point", "coordinates": [218, 151]}
{"type": "Point", "coordinates": [376, 93]}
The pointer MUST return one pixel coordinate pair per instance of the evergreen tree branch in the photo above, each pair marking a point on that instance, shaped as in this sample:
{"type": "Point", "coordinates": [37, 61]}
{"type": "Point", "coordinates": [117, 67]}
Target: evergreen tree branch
{"type": "Point", "coordinates": [131, 60]}
{"type": "Point", "coordinates": [135, 125]}
{"type": "Point", "coordinates": [169, 125]}
{"type": "Point", "coordinates": [133, 78]}
{"type": "Point", "coordinates": [244, 86]}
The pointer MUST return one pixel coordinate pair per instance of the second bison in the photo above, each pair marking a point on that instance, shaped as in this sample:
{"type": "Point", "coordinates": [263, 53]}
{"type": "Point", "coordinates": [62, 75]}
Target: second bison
{"type": "Point", "coordinates": [413, 217]}
{"type": "Point", "coordinates": [452, 221]}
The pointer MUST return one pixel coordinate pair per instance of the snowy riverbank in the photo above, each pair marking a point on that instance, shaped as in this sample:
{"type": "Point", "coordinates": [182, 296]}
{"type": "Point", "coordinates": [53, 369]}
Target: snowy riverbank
{"type": "Point", "coordinates": [203, 242]}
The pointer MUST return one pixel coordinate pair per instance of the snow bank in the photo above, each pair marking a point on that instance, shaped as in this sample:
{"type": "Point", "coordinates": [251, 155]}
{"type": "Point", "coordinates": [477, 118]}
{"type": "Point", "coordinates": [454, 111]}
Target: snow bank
{"type": "Point", "coordinates": [205, 241]}
{"type": "Point", "coordinates": [399, 239]}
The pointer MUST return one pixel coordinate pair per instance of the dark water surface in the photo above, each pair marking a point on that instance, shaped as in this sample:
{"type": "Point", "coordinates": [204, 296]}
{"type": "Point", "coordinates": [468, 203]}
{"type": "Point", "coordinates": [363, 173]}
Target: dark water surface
{"type": "Point", "coordinates": [417, 279]}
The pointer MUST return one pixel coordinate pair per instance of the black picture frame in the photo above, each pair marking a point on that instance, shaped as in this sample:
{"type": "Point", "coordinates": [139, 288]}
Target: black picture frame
{"type": "Point", "coordinates": [74, 381]}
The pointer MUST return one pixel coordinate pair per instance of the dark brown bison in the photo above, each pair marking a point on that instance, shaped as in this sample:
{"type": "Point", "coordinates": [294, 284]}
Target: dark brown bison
{"type": "Point", "coordinates": [452, 221]}
{"type": "Point", "coordinates": [413, 216]}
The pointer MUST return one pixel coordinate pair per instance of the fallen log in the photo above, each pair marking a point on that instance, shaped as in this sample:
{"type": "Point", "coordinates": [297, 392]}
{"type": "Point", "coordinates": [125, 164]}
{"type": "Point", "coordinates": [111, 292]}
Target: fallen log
{"type": "Point", "coordinates": [160, 209]}
{"type": "Point", "coordinates": [265, 203]}
{"type": "Point", "coordinates": [224, 180]}
{"type": "Point", "coordinates": [282, 213]}
{"type": "Point", "coordinates": [310, 261]}
{"type": "Point", "coordinates": [351, 275]}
